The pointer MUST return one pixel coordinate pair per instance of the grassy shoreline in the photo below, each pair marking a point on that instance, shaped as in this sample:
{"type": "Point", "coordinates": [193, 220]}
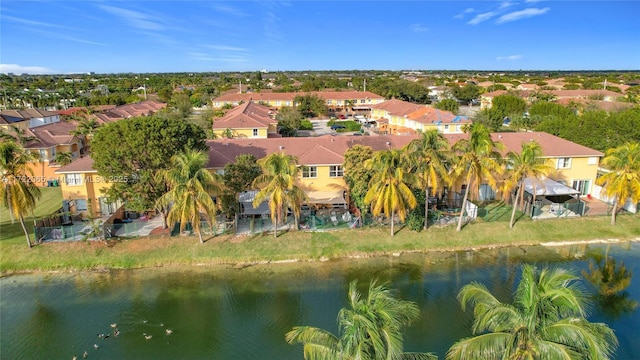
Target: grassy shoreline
{"type": "Point", "coordinates": [228, 250]}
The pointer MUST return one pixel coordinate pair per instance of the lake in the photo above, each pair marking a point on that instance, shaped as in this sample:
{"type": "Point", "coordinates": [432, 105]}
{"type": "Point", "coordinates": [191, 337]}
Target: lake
{"type": "Point", "coordinates": [223, 312]}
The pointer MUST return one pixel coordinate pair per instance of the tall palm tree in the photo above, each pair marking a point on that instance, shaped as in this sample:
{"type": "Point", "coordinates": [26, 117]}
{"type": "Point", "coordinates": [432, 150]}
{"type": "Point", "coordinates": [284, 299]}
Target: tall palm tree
{"type": "Point", "coordinates": [546, 320]}
{"type": "Point", "coordinates": [85, 130]}
{"type": "Point", "coordinates": [191, 187]}
{"type": "Point", "coordinates": [478, 161]}
{"type": "Point", "coordinates": [429, 156]}
{"type": "Point", "coordinates": [370, 328]}
{"type": "Point", "coordinates": [623, 180]}
{"type": "Point", "coordinates": [527, 164]}
{"type": "Point", "coordinates": [277, 183]}
{"type": "Point", "coordinates": [19, 193]}
{"type": "Point", "coordinates": [389, 191]}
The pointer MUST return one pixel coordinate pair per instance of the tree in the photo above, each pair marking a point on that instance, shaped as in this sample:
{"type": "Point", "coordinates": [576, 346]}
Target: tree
{"type": "Point", "coordinates": [429, 156]}
{"type": "Point", "coordinates": [63, 158]}
{"type": "Point", "coordinates": [182, 103]}
{"type": "Point", "coordinates": [239, 176]}
{"type": "Point", "coordinates": [190, 190]}
{"type": "Point", "coordinates": [546, 320]}
{"type": "Point", "coordinates": [310, 105]}
{"type": "Point", "coordinates": [357, 176]}
{"type": "Point", "coordinates": [389, 191]}
{"type": "Point", "coordinates": [527, 164]}
{"type": "Point", "coordinates": [289, 121]}
{"type": "Point", "coordinates": [136, 149]}
{"type": "Point", "coordinates": [86, 129]}
{"type": "Point", "coordinates": [277, 183]}
{"type": "Point", "coordinates": [448, 105]}
{"type": "Point", "coordinates": [478, 161]}
{"type": "Point", "coordinates": [622, 182]}
{"type": "Point", "coordinates": [509, 105]}
{"type": "Point", "coordinates": [19, 193]}
{"type": "Point", "coordinates": [370, 328]}
{"type": "Point", "coordinates": [466, 93]}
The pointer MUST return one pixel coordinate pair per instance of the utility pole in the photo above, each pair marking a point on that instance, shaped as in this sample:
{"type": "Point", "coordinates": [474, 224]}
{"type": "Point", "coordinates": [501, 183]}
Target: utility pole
{"type": "Point", "coordinates": [365, 84]}
{"type": "Point", "coordinates": [144, 88]}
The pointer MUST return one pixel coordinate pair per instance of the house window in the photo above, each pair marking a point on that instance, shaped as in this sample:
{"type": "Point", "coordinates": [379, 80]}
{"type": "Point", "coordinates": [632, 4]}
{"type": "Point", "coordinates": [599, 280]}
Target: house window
{"type": "Point", "coordinates": [592, 161]}
{"type": "Point", "coordinates": [287, 103]}
{"type": "Point", "coordinates": [458, 128]}
{"type": "Point", "coordinates": [43, 154]}
{"type": "Point", "coordinates": [329, 102]}
{"type": "Point", "coordinates": [564, 163]}
{"type": "Point", "coordinates": [255, 132]}
{"type": "Point", "coordinates": [309, 172]}
{"type": "Point", "coordinates": [336, 171]}
{"type": "Point", "coordinates": [582, 186]}
{"type": "Point", "coordinates": [278, 103]}
{"type": "Point", "coordinates": [81, 205]}
{"type": "Point", "coordinates": [73, 179]}
{"type": "Point", "coordinates": [446, 127]}
{"type": "Point", "coordinates": [362, 101]}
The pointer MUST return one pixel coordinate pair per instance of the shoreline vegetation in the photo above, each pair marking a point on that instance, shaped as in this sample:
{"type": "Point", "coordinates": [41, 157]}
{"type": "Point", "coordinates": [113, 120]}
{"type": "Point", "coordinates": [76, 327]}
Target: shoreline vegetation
{"type": "Point", "coordinates": [246, 250]}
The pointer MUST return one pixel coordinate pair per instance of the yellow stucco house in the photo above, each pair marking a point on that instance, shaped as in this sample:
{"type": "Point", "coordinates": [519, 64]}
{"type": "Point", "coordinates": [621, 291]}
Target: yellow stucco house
{"type": "Point", "coordinates": [84, 190]}
{"type": "Point", "coordinates": [398, 117]}
{"type": "Point", "coordinates": [249, 120]}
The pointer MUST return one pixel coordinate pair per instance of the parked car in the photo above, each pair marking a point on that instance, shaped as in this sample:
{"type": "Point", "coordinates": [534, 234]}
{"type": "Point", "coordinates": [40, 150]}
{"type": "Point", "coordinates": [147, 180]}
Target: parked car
{"type": "Point", "coordinates": [337, 126]}
{"type": "Point", "coordinates": [341, 116]}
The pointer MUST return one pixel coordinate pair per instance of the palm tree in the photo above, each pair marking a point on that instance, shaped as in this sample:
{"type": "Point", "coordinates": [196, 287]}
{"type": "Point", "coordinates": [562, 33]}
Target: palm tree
{"type": "Point", "coordinates": [19, 193]}
{"type": "Point", "coordinates": [389, 192]}
{"type": "Point", "coordinates": [22, 136]}
{"type": "Point", "coordinates": [479, 159]}
{"type": "Point", "coordinates": [277, 183]}
{"type": "Point", "coordinates": [528, 164]}
{"type": "Point", "coordinates": [63, 158]}
{"type": "Point", "coordinates": [546, 320]}
{"type": "Point", "coordinates": [191, 187]}
{"type": "Point", "coordinates": [429, 156]}
{"type": "Point", "coordinates": [370, 328]}
{"type": "Point", "coordinates": [86, 129]}
{"type": "Point", "coordinates": [623, 180]}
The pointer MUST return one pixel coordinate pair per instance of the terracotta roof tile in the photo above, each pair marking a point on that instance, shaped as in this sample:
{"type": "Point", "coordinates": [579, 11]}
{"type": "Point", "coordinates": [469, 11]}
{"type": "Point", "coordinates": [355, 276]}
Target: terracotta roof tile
{"type": "Point", "coordinates": [84, 164]}
{"type": "Point", "coordinates": [245, 116]}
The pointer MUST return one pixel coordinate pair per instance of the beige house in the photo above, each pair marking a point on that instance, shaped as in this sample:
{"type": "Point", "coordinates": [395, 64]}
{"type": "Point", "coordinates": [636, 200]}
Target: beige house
{"type": "Point", "coordinates": [335, 100]}
{"type": "Point", "coordinates": [398, 117]}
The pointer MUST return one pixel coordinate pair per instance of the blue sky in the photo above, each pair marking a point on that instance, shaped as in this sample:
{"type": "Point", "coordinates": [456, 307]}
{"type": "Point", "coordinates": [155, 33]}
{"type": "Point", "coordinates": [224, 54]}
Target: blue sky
{"type": "Point", "coordinates": [194, 36]}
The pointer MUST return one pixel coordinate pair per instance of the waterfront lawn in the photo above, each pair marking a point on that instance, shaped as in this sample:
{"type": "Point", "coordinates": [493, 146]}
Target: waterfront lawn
{"type": "Point", "coordinates": [50, 201]}
{"type": "Point", "coordinates": [231, 249]}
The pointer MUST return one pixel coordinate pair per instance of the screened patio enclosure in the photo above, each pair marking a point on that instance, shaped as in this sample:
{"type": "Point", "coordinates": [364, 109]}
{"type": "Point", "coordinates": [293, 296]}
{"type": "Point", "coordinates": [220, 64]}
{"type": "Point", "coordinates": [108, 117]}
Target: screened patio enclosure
{"type": "Point", "coordinates": [552, 199]}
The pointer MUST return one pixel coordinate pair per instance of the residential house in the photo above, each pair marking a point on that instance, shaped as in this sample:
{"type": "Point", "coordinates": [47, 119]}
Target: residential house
{"type": "Point", "coordinates": [574, 166]}
{"type": "Point", "coordinates": [249, 120]}
{"type": "Point", "coordinates": [47, 141]}
{"type": "Point", "coordinates": [398, 117]}
{"type": "Point", "coordinates": [486, 100]}
{"type": "Point", "coordinates": [335, 100]}
{"type": "Point", "coordinates": [83, 190]}
{"type": "Point", "coordinates": [27, 118]}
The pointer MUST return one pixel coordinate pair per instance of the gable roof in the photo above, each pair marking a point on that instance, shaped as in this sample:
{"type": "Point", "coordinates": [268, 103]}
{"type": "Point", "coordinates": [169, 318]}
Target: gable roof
{"type": "Point", "coordinates": [247, 115]}
{"type": "Point", "coordinates": [81, 165]}
{"type": "Point", "coordinates": [26, 114]}
{"type": "Point", "coordinates": [51, 135]}
{"type": "Point", "coordinates": [429, 115]}
{"type": "Point", "coordinates": [397, 107]}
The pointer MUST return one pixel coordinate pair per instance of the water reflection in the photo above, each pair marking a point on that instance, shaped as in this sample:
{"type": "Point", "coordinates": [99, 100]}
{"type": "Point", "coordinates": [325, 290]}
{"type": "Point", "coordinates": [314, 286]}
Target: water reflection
{"type": "Point", "coordinates": [227, 313]}
{"type": "Point", "coordinates": [610, 278]}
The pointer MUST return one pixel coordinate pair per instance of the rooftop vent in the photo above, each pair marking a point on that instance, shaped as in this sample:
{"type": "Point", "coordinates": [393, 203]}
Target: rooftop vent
{"type": "Point", "coordinates": [281, 147]}
{"type": "Point", "coordinates": [388, 143]}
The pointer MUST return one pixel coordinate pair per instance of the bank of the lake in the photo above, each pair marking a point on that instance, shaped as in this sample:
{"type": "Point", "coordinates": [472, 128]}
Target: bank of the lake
{"type": "Point", "coordinates": [302, 246]}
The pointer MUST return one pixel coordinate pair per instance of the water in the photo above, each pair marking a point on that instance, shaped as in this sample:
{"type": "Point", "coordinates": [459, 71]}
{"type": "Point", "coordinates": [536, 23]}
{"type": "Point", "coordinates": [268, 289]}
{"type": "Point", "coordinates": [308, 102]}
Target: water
{"type": "Point", "coordinates": [227, 313]}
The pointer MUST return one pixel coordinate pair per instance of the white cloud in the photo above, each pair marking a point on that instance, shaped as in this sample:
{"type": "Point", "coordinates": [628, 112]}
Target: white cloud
{"type": "Point", "coordinates": [532, 1]}
{"type": "Point", "coordinates": [19, 69]}
{"type": "Point", "coordinates": [509, 58]}
{"type": "Point", "coordinates": [32, 23]}
{"type": "Point", "coordinates": [134, 18]}
{"type": "Point", "coordinates": [482, 18]}
{"type": "Point", "coordinates": [466, 11]}
{"type": "Point", "coordinates": [522, 14]}
{"type": "Point", "coordinates": [229, 10]}
{"type": "Point", "coordinates": [505, 5]}
{"type": "Point", "coordinates": [225, 48]}
{"type": "Point", "coordinates": [419, 28]}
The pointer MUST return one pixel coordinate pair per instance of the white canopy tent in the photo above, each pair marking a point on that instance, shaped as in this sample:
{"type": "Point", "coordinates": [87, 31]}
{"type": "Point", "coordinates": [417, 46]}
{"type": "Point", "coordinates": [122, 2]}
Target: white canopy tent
{"type": "Point", "coordinates": [547, 187]}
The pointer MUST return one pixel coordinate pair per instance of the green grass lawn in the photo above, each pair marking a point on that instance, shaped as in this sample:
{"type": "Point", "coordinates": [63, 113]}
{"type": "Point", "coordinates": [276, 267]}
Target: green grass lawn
{"type": "Point", "coordinates": [231, 249]}
{"type": "Point", "coordinates": [50, 201]}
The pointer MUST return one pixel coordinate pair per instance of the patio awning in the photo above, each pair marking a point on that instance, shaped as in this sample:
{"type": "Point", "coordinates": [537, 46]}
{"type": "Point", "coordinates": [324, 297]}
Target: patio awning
{"type": "Point", "coordinates": [548, 187]}
{"type": "Point", "coordinates": [326, 197]}
{"type": "Point", "coordinates": [246, 203]}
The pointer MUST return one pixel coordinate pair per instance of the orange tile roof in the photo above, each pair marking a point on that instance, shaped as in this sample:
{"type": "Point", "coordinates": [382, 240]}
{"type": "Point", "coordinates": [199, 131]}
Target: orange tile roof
{"type": "Point", "coordinates": [51, 134]}
{"type": "Point", "coordinates": [397, 107]}
{"type": "Point", "coordinates": [429, 115]}
{"type": "Point", "coordinates": [552, 146]}
{"type": "Point", "coordinates": [246, 116]}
